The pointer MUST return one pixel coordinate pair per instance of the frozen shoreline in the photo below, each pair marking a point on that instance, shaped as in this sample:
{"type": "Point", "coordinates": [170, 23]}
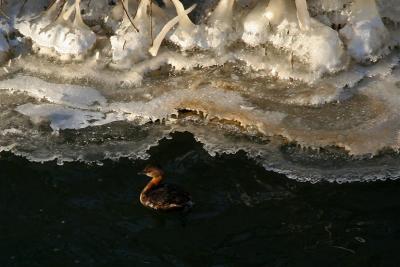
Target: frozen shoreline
{"type": "Point", "coordinates": [327, 80]}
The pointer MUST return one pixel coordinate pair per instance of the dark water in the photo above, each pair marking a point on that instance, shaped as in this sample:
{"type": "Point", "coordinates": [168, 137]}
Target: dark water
{"type": "Point", "coordinates": [80, 215]}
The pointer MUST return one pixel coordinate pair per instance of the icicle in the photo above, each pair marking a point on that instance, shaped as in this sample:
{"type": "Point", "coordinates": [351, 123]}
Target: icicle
{"type": "Point", "coordinates": [78, 21]}
{"type": "Point", "coordinates": [127, 21]}
{"type": "Point", "coordinates": [161, 36]}
{"type": "Point", "coordinates": [130, 47]}
{"type": "Point", "coordinates": [283, 23]}
{"type": "Point", "coordinates": [187, 35]}
{"type": "Point", "coordinates": [303, 15]}
{"type": "Point", "coordinates": [223, 12]}
{"type": "Point", "coordinates": [67, 12]}
{"type": "Point", "coordinates": [219, 29]}
{"type": "Point", "coordinates": [278, 10]}
{"type": "Point", "coordinates": [53, 11]}
{"type": "Point", "coordinates": [4, 48]}
{"type": "Point", "coordinates": [63, 16]}
{"type": "Point", "coordinates": [184, 22]}
{"type": "Point", "coordinates": [260, 20]}
{"type": "Point", "coordinates": [141, 13]}
{"type": "Point", "coordinates": [67, 36]}
{"type": "Point", "coordinates": [364, 9]}
{"type": "Point", "coordinates": [158, 12]}
{"type": "Point", "coordinates": [252, 21]}
{"type": "Point", "coordinates": [168, 3]}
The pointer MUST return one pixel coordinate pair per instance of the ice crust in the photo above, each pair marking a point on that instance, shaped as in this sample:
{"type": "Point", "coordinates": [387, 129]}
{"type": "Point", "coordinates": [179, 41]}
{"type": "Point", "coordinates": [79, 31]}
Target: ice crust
{"type": "Point", "coordinates": [216, 103]}
{"type": "Point", "coordinates": [60, 117]}
{"type": "Point", "coordinates": [69, 95]}
{"type": "Point", "coordinates": [321, 75]}
{"type": "Point", "coordinates": [362, 125]}
{"type": "Point", "coordinates": [71, 98]}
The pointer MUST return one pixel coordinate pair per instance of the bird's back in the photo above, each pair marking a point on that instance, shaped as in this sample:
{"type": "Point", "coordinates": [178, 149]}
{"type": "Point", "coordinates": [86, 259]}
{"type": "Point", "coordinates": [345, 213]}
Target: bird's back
{"type": "Point", "coordinates": [166, 197]}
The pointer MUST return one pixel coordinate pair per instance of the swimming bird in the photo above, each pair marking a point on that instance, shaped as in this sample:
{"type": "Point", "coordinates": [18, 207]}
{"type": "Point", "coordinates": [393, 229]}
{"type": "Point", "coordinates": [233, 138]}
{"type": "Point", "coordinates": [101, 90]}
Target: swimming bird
{"type": "Point", "coordinates": [163, 196]}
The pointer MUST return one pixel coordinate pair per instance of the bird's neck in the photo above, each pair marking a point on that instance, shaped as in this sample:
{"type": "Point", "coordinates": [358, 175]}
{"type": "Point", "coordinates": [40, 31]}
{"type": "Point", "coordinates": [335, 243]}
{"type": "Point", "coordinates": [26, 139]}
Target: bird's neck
{"type": "Point", "coordinates": [154, 182]}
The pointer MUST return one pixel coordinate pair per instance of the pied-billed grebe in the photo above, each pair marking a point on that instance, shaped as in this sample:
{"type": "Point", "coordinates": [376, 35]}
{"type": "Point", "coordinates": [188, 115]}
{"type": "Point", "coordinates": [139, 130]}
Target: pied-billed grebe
{"type": "Point", "coordinates": [161, 196]}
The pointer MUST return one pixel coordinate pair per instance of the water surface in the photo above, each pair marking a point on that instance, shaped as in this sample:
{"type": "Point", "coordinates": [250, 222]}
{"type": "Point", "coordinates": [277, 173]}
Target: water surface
{"type": "Point", "coordinates": [89, 215]}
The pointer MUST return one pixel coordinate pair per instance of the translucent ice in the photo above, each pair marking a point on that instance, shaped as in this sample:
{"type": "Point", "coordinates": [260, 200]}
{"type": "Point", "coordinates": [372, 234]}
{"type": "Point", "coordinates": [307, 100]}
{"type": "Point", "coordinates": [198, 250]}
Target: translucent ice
{"type": "Point", "coordinates": [63, 32]}
{"type": "Point", "coordinates": [187, 35]}
{"type": "Point", "coordinates": [365, 34]}
{"type": "Point", "coordinates": [288, 26]}
{"type": "Point", "coordinates": [164, 31]}
{"type": "Point", "coordinates": [60, 117]}
{"type": "Point", "coordinates": [69, 95]}
{"type": "Point", "coordinates": [134, 37]}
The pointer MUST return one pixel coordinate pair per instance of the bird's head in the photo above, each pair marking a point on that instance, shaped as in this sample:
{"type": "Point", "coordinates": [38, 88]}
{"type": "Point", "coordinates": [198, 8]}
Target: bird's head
{"type": "Point", "coordinates": [153, 172]}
